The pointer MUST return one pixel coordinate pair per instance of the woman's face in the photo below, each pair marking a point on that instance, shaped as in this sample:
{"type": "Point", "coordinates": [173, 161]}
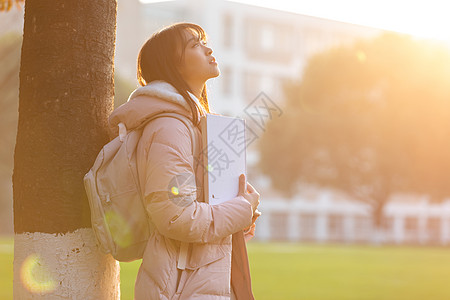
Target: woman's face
{"type": "Point", "coordinates": [197, 65]}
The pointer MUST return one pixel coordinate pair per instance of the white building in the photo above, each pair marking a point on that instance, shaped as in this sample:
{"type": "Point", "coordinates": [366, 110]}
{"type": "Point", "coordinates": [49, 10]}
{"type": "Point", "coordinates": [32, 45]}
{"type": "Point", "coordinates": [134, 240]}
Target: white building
{"type": "Point", "coordinates": [257, 48]}
{"type": "Point", "coordinates": [331, 217]}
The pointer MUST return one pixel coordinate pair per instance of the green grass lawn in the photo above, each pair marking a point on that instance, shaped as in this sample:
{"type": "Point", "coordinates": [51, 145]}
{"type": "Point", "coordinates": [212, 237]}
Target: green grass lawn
{"type": "Point", "coordinates": [306, 271]}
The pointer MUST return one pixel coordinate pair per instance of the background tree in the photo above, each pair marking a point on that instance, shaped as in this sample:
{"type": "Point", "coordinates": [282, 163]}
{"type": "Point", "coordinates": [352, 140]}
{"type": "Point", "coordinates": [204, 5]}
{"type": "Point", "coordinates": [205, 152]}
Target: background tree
{"type": "Point", "coordinates": [370, 119]}
{"type": "Point", "coordinates": [65, 97]}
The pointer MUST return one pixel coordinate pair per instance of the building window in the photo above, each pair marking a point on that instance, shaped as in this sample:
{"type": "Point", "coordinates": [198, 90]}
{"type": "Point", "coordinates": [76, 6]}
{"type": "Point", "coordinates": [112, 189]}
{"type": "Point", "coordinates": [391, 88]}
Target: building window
{"type": "Point", "coordinates": [387, 224]}
{"type": "Point", "coordinates": [434, 229]}
{"type": "Point", "coordinates": [267, 38]}
{"type": "Point", "coordinates": [336, 227]}
{"type": "Point", "coordinates": [279, 226]}
{"type": "Point", "coordinates": [411, 229]}
{"type": "Point", "coordinates": [267, 84]}
{"type": "Point", "coordinates": [227, 31]}
{"type": "Point", "coordinates": [226, 80]}
{"type": "Point", "coordinates": [251, 86]}
{"type": "Point", "coordinates": [363, 228]}
{"type": "Point", "coordinates": [307, 226]}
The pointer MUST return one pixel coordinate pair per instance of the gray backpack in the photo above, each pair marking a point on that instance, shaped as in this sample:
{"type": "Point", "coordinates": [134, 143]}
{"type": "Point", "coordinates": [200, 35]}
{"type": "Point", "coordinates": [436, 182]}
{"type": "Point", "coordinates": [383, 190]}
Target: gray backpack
{"type": "Point", "coordinates": [118, 216]}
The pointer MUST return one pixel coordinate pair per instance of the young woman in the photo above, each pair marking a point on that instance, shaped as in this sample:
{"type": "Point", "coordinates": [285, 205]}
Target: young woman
{"type": "Point", "coordinates": [173, 67]}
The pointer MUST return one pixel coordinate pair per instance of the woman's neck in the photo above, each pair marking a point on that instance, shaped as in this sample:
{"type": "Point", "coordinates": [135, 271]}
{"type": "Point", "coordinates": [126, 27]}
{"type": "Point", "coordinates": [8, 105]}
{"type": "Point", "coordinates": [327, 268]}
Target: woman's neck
{"type": "Point", "coordinates": [196, 88]}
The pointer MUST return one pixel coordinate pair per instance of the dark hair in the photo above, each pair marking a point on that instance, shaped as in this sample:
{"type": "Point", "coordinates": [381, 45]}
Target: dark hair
{"type": "Point", "coordinates": [159, 59]}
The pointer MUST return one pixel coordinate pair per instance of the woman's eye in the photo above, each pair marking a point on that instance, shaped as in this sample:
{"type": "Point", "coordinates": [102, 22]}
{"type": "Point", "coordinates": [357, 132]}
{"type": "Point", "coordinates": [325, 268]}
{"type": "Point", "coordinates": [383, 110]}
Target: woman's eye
{"type": "Point", "coordinates": [198, 43]}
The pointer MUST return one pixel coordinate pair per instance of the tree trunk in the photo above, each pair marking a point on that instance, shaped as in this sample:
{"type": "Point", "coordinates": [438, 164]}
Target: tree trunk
{"type": "Point", "coordinates": [66, 94]}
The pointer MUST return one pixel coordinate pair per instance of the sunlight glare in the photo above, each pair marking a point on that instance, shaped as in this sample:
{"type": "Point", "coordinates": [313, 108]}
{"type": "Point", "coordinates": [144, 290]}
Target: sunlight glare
{"type": "Point", "coordinates": [35, 276]}
{"type": "Point", "coordinates": [174, 190]}
{"type": "Point", "coordinates": [424, 19]}
{"type": "Point", "coordinates": [361, 56]}
{"type": "Point", "coordinates": [120, 230]}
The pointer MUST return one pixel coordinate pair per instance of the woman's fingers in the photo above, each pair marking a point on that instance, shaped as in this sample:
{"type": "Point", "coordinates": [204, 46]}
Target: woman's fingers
{"type": "Point", "coordinates": [250, 188]}
{"type": "Point", "coordinates": [249, 193]}
{"type": "Point", "coordinates": [242, 184]}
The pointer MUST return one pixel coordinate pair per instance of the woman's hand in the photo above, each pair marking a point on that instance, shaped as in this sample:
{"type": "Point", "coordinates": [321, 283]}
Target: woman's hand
{"type": "Point", "coordinates": [249, 232]}
{"type": "Point", "coordinates": [251, 195]}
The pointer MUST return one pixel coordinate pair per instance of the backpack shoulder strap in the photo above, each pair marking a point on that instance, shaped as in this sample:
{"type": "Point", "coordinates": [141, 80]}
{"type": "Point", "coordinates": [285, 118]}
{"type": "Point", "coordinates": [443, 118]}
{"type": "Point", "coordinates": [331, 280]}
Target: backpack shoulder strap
{"type": "Point", "coordinates": [182, 256]}
{"type": "Point", "coordinates": [186, 121]}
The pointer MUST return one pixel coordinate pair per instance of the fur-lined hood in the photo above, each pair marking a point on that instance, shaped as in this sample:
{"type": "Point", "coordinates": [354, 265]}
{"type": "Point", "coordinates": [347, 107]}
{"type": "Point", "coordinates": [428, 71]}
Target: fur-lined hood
{"type": "Point", "coordinates": [154, 98]}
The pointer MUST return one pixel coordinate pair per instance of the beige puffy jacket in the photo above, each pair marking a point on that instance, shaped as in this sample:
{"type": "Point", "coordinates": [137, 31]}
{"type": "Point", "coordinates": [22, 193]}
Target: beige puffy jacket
{"type": "Point", "coordinates": [164, 157]}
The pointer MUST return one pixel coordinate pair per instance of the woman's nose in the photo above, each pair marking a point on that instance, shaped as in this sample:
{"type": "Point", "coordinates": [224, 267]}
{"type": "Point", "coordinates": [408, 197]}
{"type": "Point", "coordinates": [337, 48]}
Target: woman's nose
{"type": "Point", "coordinates": [208, 50]}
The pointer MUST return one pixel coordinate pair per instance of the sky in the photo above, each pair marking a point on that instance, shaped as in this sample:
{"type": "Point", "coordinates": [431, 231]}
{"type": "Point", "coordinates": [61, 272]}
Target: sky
{"type": "Point", "coordinates": [424, 19]}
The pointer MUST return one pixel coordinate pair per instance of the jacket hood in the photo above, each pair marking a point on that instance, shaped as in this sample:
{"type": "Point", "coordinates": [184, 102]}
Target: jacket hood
{"type": "Point", "coordinates": [154, 98]}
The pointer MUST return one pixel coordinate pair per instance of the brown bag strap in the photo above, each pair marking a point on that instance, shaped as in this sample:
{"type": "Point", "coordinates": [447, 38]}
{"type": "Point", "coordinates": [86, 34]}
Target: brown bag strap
{"type": "Point", "coordinates": [240, 270]}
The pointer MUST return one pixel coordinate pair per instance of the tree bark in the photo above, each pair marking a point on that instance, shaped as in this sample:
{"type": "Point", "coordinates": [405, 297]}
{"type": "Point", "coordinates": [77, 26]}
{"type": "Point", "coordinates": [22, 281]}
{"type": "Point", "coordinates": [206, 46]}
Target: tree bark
{"type": "Point", "coordinates": [65, 96]}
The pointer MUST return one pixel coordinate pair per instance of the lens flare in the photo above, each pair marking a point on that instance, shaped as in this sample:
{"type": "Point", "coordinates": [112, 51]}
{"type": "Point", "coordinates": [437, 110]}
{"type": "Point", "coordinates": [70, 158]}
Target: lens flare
{"type": "Point", "coordinates": [361, 56]}
{"type": "Point", "coordinates": [35, 276]}
{"type": "Point", "coordinates": [174, 190]}
{"type": "Point", "coordinates": [119, 228]}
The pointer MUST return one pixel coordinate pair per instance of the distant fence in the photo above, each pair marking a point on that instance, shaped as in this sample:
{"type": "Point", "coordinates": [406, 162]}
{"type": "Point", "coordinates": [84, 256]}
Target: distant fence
{"type": "Point", "coordinates": [327, 220]}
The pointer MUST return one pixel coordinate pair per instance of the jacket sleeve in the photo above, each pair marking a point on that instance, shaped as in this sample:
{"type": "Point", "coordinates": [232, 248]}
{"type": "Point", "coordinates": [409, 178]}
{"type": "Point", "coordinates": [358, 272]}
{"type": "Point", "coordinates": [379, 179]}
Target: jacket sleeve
{"type": "Point", "coordinates": [170, 191]}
